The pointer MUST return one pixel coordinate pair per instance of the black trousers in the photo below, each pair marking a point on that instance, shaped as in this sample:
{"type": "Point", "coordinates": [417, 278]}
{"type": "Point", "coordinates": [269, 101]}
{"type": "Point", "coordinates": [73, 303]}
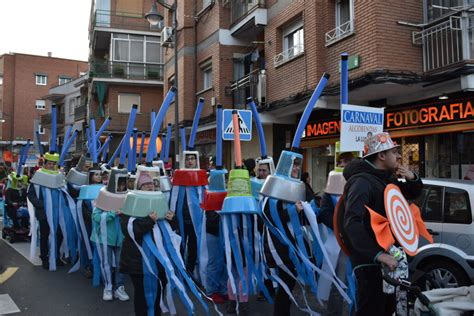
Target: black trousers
{"type": "Point", "coordinates": [371, 300]}
{"type": "Point", "coordinates": [44, 239]}
{"type": "Point", "coordinates": [11, 212]}
{"type": "Point", "coordinates": [282, 300]}
{"type": "Point", "coordinates": [139, 300]}
{"type": "Point", "coordinates": [191, 248]}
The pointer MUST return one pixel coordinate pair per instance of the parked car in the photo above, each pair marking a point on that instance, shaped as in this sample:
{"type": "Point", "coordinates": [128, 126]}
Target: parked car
{"type": "Point", "coordinates": [447, 207]}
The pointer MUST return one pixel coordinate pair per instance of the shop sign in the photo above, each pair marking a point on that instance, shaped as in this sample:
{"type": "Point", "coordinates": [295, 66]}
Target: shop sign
{"type": "Point", "coordinates": [437, 114]}
{"type": "Point", "coordinates": [357, 123]}
{"type": "Point", "coordinates": [457, 112]}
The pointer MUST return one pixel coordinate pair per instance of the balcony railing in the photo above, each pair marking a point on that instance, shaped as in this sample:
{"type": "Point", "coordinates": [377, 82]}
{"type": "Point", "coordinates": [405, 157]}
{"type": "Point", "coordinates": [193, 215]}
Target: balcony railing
{"type": "Point", "coordinates": [240, 8]}
{"type": "Point", "coordinates": [443, 42]}
{"type": "Point", "coordinates": [288, 55]}
{"type": "Point", "coordinates": [46, 119]}
{"type": "Point", "coordinates": [127, 70]}
{"type": "Point", "coordinates": [252, 84]}
{"type": "Point", "coordinates": [118, 20]}
{"type": "Point", "coordinates": [340, 32]}
{"type": "Point", "coordinates": [80, 112]}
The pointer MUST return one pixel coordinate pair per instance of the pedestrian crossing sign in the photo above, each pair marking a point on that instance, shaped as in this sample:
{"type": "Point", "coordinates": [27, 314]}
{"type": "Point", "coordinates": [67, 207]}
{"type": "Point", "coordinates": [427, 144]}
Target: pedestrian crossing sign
{"type": "Point", "coordinates": [245, 123]}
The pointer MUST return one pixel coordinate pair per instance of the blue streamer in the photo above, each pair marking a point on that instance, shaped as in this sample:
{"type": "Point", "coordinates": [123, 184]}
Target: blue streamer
{"type": "Point", "coordinates": [258, 123]}
{"type": "Point", "coordinates": [197, 115]}
{"type": "Point", "coordinates": [150, 282]}
{"type": "Point", "coordinates": [219, 136]}
{"type": "Point", "coordinates": [309, 108]}
{"type": "Point", "coordinates": [228, 220]}
{"type": "Point", "coordinates": [157, 124]}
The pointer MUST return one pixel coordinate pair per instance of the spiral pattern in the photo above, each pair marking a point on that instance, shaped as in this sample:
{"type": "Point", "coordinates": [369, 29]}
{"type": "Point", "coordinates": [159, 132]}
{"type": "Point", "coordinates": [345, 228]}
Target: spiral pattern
{"type": "Point", "coordinates": [401, 219]}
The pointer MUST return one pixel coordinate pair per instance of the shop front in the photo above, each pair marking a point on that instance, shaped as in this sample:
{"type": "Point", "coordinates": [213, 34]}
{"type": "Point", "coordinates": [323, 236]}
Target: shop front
{"type": "Point", "coordinates": [436, 138]}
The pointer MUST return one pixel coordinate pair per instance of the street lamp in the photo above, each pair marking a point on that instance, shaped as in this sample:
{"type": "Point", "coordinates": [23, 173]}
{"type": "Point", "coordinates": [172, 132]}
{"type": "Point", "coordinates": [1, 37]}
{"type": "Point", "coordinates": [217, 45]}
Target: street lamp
{"type": "Point", "coordinates": [155, 18]}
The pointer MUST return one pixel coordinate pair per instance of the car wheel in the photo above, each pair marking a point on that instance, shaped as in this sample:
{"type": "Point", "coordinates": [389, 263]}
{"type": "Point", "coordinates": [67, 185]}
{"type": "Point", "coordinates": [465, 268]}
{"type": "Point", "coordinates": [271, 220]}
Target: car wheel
{"type": "Point", "coordinates": [443, 274]}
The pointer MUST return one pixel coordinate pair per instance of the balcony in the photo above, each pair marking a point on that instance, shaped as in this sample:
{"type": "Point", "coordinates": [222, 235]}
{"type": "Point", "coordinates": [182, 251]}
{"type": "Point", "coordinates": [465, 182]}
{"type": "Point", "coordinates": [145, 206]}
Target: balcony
{"type": "Point", "coordinates": [248, 18]}
{"type": "Point", "coordinates": [131, 71]}
{"type": "Point", "coordinates": [80, 112]}
{"type": "Point", "coordinates": [120, 20]}
{"type": "Point", "coordinates": [253, 85]}
{"type": "Point", "coordinates": [340, 32]}
{"type": "Point", "coordinates": [288, 55]}
{"type": "Point", "coordinates": [45, 120]}
{"type": "Point", "coordinates": [447, 41]}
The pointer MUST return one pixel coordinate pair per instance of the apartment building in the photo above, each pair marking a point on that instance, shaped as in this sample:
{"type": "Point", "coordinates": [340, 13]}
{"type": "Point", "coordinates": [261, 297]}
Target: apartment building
{"type": "Point", "coordinates": [24, 80]}
{"type": "Point", "coordinates": [126, 65]}
{"type": "Point", "coordinates": [408, 56]}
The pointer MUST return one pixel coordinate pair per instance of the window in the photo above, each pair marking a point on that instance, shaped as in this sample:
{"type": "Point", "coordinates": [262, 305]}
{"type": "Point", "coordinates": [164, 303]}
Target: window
{"type": "Point", "coordinates": [344, 22]}
{"type": "Point", "coordinates": [457, 208]}
{"type": "Point", "coordinates": [63, 80]}
{"type": "Point", "coordinates": [40, 129]}
{"type": "Point", "coordinates": [40, 104]}
{"type": "Point", "coordinates": [126, 100]}
{"type": "Point", "coordinates": [430, 202]}
{"type": "Point", "coordinates": [41, 79]}
{"type": "Point", "coordinates": [438, 8]}
{"type": "Point", "coordinates": [293, 43]}
{"type": "Point", "coordinates": [206, 69]}
{"type": "Point", "coordinates": [206, 3]}
{"type": "Point", "coordinates": [293, 39]}
{"type": "Point", "coordinates": [137, 49]}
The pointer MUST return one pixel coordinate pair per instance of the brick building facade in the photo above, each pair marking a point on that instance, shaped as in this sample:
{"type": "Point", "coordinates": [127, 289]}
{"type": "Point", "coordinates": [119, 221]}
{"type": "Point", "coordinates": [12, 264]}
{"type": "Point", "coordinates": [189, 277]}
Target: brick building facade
{"type": "Point", "coordinates": [25, 80]}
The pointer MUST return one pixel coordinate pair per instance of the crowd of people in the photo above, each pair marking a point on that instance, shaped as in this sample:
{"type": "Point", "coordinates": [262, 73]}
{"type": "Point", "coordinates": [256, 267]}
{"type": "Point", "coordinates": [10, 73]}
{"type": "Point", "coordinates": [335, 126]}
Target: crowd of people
{"type": "Point", "coordinates": [114, 241]}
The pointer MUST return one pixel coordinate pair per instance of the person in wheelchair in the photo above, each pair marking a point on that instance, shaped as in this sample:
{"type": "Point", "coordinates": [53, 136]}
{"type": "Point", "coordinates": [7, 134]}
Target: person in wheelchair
{"type": "Point", "coordinates": [15, 202]}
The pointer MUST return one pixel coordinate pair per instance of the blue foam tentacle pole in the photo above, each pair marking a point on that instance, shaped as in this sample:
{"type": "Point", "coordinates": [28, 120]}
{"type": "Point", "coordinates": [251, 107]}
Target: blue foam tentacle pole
{"type": "Point", "coordinates": [66, 137]}
{"type": "Point", "coordinates": [103, 127]}
{"type": "Point", "coordinates": [38, 143]}
{"type": "Point", "coordinates": [168, 142]}
{"type": "Point", "coordinates": [157, 124]}
{"type": "Point", "coordinates": [309, 108]}
{"type": "Point", "coordinates": [344, 78]}
{"type": "Point", "coordinates": [126, 137]}
{"type": "Point", "coordinates": [93, 144]}
{"type": "Point", "coordinates": [52, 144]}
{"type": "Point", "coordinates": [105, 145]}
{"type": "Point", "coordinates": [115, 154]}
{"type": "Point", "coordinates": [258, 123]}
{"type": "Point", "coordinates": [219, 136]}
{"type": "Point", "coordinates": [197, 115]}
{"type": "Point", "coordinates": [25, 156]}
{"type": "Point", "coordinates": [142, 146]}
{"type": "Point", "coordinates": [89, 140]}
{"type": "Point", "coordinates": [105, 148]}
{"type": "Point", "coordinates": [133, 158]}
{"type": "Point", "coordinates": [20, 160]}
{"type": "Point", "coordinates": [153, 118]}
{"type": "Point", "coordinates": [66, 148]}
{"type": "Point", "coordinates": [182, 133]}
{"type": "Point", "coordinates": [163, 146]}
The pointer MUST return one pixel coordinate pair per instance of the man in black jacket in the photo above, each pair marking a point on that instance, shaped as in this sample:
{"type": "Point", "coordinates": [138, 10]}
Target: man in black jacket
{"type": "Point", "coordinates": [366, 182]}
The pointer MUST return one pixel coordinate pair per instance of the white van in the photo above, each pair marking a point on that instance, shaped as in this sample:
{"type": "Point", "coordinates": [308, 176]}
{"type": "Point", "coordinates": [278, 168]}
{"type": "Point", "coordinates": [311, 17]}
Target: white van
{"type": "Point", "coordinates": [447, 207]}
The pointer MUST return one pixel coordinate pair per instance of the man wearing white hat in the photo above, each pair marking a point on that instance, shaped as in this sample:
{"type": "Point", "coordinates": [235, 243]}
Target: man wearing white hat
{"type": "Point", "coordinates": [366, 182]}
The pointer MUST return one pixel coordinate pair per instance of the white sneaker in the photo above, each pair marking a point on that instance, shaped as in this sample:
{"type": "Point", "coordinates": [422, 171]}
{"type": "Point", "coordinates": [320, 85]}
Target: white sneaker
{"type": "Point", "coordinates": [121, 294]}
{"type": "Point", "coordinates": [107, 296]}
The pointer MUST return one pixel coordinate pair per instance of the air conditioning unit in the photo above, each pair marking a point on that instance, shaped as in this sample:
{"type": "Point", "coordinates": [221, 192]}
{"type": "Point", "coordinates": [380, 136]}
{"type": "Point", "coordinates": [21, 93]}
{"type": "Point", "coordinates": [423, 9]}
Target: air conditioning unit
{"type": "Point", "coordinates": [167, 36]}
{"type": "Point", "coordinates": [262, 87]}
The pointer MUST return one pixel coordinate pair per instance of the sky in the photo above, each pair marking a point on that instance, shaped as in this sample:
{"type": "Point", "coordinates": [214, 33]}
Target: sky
{"type": "Point", "coordinates": [37, 27]}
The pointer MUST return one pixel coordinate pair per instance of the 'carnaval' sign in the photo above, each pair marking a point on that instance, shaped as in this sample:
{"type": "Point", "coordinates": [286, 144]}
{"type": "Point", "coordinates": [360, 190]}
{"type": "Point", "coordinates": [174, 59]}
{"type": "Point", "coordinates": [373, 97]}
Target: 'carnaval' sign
{"type": "Point", "coordinates": [357, 123]}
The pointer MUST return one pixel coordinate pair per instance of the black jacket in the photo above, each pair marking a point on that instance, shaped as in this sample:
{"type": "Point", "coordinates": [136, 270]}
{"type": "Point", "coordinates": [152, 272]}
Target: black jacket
{"type": "Point", "coordinates": [130, 258]}
{"type": "Point", "coordinates": [37, 202]}
{"type": "Point", "coordinates": [365, 187]}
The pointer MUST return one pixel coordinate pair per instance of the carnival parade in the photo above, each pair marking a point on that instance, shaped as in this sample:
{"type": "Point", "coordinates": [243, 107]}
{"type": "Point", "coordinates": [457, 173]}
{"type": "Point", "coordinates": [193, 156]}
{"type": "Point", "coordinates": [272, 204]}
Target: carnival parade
{"type": "Point", "coordinates": [242, 158]}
